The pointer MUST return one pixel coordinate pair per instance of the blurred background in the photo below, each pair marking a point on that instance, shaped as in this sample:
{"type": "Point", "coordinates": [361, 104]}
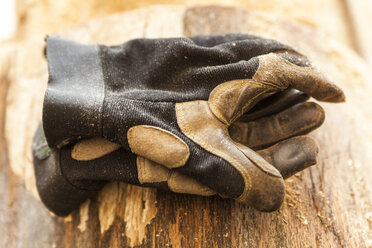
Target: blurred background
{"type": "Point", "coordinates": [328, 205]}
{"type": "Point", "coordinates": [345, 20]}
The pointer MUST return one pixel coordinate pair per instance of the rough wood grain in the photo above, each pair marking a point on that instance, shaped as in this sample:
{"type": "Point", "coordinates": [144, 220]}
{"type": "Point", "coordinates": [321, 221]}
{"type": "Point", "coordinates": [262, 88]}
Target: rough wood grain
{"type": "Point", "coordinates": [38, 17]}
{"type": "Point", "coordinates": [328, 205]}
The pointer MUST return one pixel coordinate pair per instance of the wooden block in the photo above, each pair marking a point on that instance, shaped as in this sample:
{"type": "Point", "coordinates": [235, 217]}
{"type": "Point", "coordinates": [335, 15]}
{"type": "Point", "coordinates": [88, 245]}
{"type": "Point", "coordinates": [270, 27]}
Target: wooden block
{"type": "Point", "coordinates": [328, 205]}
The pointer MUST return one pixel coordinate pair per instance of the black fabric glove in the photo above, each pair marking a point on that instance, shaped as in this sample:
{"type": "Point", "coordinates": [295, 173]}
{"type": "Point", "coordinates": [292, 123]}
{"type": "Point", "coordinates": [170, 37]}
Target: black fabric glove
{"type": "Point", "coordinates": [66, 177]}
{"type": "Point", "coordinates": [171, 101]}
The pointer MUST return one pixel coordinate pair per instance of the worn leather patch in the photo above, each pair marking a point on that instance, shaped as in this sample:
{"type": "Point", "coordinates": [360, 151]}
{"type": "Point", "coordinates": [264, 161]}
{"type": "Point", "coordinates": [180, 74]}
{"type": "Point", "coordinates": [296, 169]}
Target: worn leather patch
{"type": "Point", "coordinates": [197, 122]}
{"type": "Point", "coordinates": [263, 186]}
{"type": "Point", "coordinates": [282, 73]}
{"type": "Point", "coordinates": [94, 148]}
{"type": "Point", "coordinates": [151, 172]}
{"type": "Point", "coordinates": [230, 100]}
{"type": "Point", "coordinates": [180, 183]}
{"type": "Point", "coordinates": [158, 145]}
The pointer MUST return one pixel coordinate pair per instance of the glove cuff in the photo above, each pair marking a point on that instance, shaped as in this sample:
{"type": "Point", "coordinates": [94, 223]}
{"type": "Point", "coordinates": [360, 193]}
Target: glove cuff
{"type": "Point", "coordinates": [73, 101]}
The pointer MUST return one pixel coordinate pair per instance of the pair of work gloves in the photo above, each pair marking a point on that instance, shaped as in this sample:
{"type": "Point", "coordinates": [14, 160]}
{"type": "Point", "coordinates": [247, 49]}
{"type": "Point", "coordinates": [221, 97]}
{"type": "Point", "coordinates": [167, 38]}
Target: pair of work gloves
{"type": "Point", "coordinates": [205, 115]}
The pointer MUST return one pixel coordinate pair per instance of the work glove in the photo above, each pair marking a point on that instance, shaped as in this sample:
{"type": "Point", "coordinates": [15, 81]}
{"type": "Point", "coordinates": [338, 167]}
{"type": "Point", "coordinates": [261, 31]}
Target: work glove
{"type": "Point", "coordinates": [171, 101]}
{"type": "Point", "coordinates": [66, 177]}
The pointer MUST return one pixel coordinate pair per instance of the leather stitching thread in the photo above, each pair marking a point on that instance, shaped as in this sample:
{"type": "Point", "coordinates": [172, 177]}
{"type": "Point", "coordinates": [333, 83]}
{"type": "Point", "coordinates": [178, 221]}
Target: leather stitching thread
{"type": "Point", "coordinates": [179, 163]}
{"type": "Point", "coordinates": [243, 171]}
{"type": "Point", "coordinates": [241, 112]}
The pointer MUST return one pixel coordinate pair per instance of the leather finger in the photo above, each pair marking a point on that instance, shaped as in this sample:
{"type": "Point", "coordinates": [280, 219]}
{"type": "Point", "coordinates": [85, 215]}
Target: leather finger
{"type": "Point", "coordinates": [299, 119]}
{"type": "Point", "coordinates": [283, 72]}
{"type": "Point", "coordinates": [274, 104]}
{"type": "Point", "coordinates": [292, 155]}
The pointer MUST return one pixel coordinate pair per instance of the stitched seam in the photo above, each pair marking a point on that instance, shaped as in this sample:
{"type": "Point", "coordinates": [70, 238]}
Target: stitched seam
{"type": "Point", "coordinates": [236, 164]}
{"type": "Point", "coordinates": [207, 146]}
{"type": "Point", "coordinates": [101, 118]}
{"type": "Point", "coordinates": [216, 97]}
{"type": "Point", "coordinates": [179, 163]}
{"type": "Point", "coordinates": [246, 105]}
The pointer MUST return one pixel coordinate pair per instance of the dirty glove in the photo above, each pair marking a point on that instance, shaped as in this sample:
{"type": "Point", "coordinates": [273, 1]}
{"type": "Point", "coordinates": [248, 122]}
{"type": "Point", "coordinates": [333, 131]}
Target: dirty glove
{"type": "Point", "coordinates": [66, 177]}
{"type": "Point", "coordinates": [171, 101]}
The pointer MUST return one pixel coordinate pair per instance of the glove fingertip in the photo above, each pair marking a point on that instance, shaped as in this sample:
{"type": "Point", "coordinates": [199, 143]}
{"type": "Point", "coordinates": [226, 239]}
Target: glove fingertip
{"type": "Point", "coordinates": [302, 152]}
{"type": "Point", "coordinates": [335, 95]}
{"type": "Point", "coordinates": [269, 195]}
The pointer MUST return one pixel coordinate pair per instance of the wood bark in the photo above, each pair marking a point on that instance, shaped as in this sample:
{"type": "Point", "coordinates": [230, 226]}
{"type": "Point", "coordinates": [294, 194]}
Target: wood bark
{"type": "Point", "coordinates": [328, 205]}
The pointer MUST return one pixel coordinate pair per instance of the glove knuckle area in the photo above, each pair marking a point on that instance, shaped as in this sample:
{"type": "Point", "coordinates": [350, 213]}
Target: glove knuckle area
{"type": "Point", "coordinates": [158, 145]}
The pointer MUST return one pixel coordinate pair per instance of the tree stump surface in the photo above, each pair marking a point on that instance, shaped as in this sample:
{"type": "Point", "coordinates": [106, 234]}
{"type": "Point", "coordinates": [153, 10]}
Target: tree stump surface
{"type": "Point", "coordinates": [327, 205]}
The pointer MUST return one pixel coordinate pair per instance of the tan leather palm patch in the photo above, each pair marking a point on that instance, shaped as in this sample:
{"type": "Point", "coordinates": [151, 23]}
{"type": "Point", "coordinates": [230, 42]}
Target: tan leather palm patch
{"type": "Point", "coordinates": [158, 145]}
{"type": "Point", "coordinates": [180, 183]}
{"type": "Point", "coordinates": [151, 172]}
{"type": "Point", "coordinates": [197, 122]}
{"type": "Point", "coordinates": [90, 149]}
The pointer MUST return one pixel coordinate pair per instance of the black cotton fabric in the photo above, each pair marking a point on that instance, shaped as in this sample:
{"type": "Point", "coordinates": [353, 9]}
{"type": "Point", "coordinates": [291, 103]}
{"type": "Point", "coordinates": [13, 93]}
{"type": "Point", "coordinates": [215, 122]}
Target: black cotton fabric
{"type": "Point", "coordinates": [181, 69]}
